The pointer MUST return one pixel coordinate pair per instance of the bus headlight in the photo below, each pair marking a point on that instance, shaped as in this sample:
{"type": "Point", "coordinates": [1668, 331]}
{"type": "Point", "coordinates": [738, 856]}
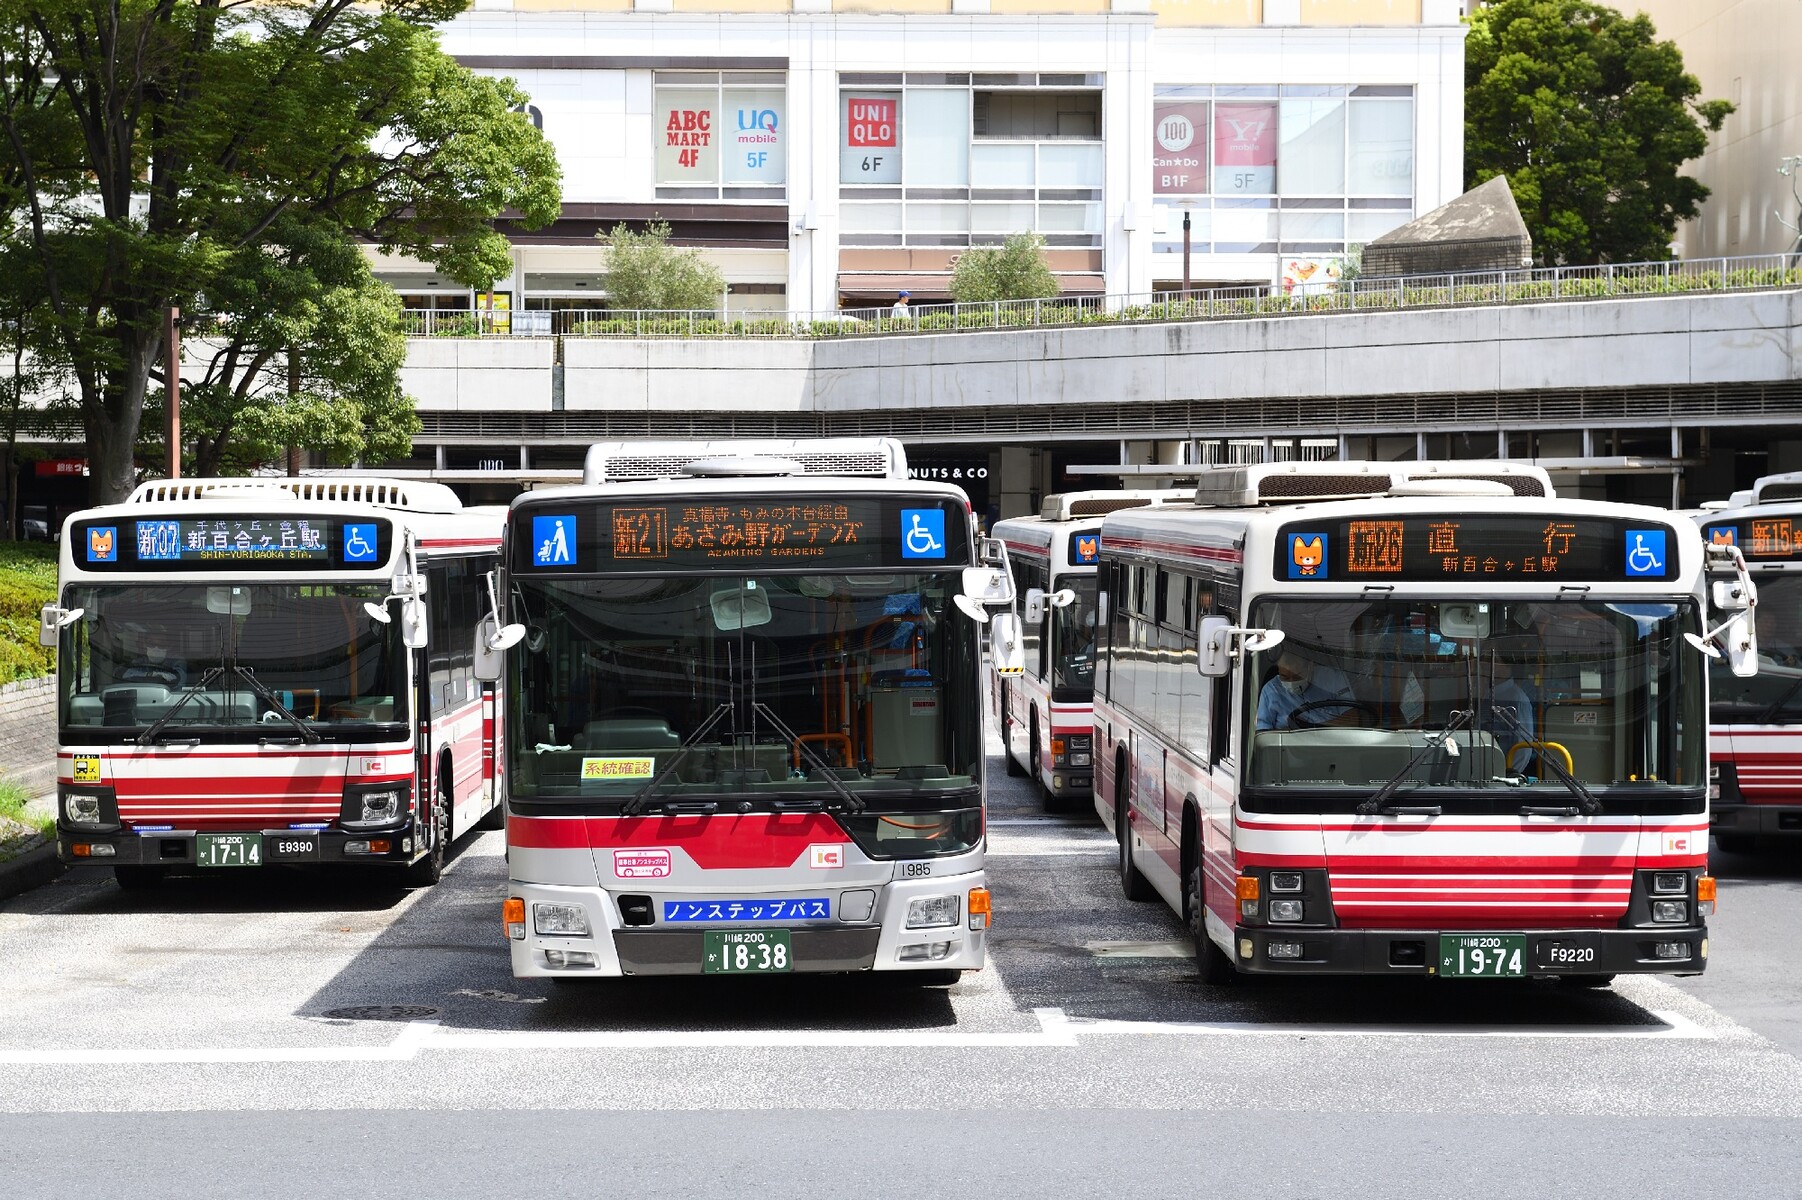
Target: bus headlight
{"type": "Point", "coordinates": [930, 912]}
{"type": "Point", "coordinates": [1670, 910]}
{"type": "Point", "coordinates": [90, 807]}
{"type": "Point", "coordinates": [376, 806]}
{"type": "Point", "coordinates": [560, 920]}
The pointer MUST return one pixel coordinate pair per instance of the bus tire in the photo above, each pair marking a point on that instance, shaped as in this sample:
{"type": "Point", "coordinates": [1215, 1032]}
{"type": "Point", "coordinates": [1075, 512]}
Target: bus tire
{"type": "Point", "coordinates": [1211, 962]}
{"type": "Point", "coordinates": [1046, 799]}
{"type": "Point", "coordinates": [1585, 981]}
{"type": "Point", "coordinates": [1132, 880]}
{"type": "Point", "coordinates": [430, 868]}
{"type": "Point", "coordinates": [138, 877]}
{"type": "Point", "coordinates": [1014, 769]}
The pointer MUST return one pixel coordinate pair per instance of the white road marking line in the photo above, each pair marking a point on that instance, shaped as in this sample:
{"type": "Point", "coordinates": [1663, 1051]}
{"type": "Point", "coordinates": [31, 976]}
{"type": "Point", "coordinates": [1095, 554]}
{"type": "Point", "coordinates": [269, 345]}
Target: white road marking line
{"type": "Point", "coordinates": [1141, 949]}
{"type": "Point", "coordinates": [1056, 1030]}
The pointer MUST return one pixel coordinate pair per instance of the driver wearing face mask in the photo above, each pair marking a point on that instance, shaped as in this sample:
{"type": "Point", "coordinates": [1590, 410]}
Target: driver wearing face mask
{"type": "Point", "coordinates": [1298, 682]}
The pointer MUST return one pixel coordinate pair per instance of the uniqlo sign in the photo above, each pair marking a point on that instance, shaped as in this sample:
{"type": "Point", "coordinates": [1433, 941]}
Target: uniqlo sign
{"type": "Point", "coordinates": [871, 122]}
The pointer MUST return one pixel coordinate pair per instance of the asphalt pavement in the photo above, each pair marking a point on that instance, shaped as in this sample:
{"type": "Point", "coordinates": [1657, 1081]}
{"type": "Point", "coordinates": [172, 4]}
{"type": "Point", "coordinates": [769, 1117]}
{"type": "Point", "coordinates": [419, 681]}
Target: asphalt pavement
{"type": "Point", "coordinates": [330, 1035]}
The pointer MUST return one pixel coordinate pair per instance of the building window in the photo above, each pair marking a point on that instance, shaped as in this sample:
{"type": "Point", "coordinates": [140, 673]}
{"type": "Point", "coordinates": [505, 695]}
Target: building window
{"type": "Point", "coordinates": [1290, 169]}
{"type": "Point", "coordinates": [721, 135]}
{"type": "Point", "coordinates": [957, 160]}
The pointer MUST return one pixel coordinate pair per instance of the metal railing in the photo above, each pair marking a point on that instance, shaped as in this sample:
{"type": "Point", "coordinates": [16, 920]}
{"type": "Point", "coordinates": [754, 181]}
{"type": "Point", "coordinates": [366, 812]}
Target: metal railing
{"type": "Point", "coordinates": [1757, 273]}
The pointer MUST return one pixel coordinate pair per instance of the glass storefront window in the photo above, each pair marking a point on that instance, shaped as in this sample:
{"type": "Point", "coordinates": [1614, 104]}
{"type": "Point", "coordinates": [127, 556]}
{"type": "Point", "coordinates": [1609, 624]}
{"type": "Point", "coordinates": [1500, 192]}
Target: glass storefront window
{"type": "Point", "coordinates": [1311, 157]}
{"type": "Point", "coordinates": [1245, 144]}
{"type": "Point", "coordinates": [938, 217]}
{"type": "Point", "coordinates": [1001, 218]}
{"type": "Point", "coordinates": [1002, 166]}
{"type": "Point", "coordinates": [1361, 227]}
{"type": "Point", "coordinates": [717, 131]}
{"type": "Point", "coordinates": [1382, 148]}
{"type": "Point", "coordinates": [1070, 218]}
{"type": "Point", "coordinates": [754, 136]}
{"type": "Point", "coordinates": [1313, 227]}
{"type": "Point", "coordinates": [879, 217]}
{"type": "Point", "coordinates": [1064, 166]}
{"type": "Point", "coordinates": [869, 136]}
{"type": "Point", "coordinates": [937, 125]}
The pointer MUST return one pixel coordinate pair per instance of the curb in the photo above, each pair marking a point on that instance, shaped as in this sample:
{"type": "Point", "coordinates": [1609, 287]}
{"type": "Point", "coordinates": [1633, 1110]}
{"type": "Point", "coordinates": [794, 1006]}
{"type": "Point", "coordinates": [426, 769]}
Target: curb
{"type": "Point", "coordinates": [31, 869]}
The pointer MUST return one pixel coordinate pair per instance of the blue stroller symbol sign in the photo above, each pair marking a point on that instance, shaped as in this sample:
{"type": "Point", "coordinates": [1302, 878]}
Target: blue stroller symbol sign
{"type": "Point", "coordinates": [1645, 552]}
{"type": "Point", "coordinates": [554, 541]}
{"type": "Point", "coordinates": [922, 533]}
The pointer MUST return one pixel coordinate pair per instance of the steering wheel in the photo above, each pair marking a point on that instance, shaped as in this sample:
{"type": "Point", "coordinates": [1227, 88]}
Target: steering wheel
{"type": "Point", "coordinates": [1358, 706]}
{"type": "Point", "coordinates": [151, 673]}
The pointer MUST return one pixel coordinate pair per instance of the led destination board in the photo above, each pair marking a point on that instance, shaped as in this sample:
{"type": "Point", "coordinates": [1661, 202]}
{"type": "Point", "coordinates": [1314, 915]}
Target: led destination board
{"type": "Point", "coordinates": [284, 543]}
{"type": "Point", "coordinates": [765, 533]}
{"type": "Point", "coordinates": [1762, 538]}
{"type": "Point", "coordinates": [1476, 549]}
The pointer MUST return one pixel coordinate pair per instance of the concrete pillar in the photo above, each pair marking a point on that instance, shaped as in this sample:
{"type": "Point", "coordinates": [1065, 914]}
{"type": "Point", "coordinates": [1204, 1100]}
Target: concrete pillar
{"type": "Point", "coordinates": [1018, 482]}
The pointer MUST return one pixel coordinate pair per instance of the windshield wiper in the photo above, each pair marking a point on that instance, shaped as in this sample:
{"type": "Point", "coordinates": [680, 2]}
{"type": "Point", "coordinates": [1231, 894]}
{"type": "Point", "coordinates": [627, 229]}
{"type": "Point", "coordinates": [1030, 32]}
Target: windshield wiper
{"type": "Point", "coordinates": [634, 806]}
{"type": "Point", "coordinates": [1381, 796]}
{"type": "Point", "coordinates": [851, 802]}
{"type": "Point", "coordinates": [149, 735]}
{"type": "Point", "coordinates": [1586, 799]}
{"type": "Point", "coordinates": [273, 701]}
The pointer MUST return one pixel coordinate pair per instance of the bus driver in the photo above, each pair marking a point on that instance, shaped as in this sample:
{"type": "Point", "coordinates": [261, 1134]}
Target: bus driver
{"type": "Point", "coordinates": [1299, 682]}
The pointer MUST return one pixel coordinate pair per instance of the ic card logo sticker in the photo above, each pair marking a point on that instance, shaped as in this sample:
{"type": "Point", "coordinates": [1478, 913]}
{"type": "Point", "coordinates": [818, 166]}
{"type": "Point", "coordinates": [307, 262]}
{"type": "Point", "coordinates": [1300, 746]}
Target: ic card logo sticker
{"type": "Point", "coordinates": [922, 533]}
{"type": "Point", "coordinates": [86, 769]}
{"type": "Point", "coordinates": [1679, 843]}
{"type": "Point", "coordinates": [103, 544]}
{"type": "Point", "coordinates": [1307, 556]}
{"type": "Point", "coordinates": [359, 543]}
{"type": "Point", "coordinates": [826, 857]}
{"type": "Point", "coordinates": [641, 864]}
{"type": "Point", "coordinates": [1645, 552]}
{"type": "Point", "coordinates": [554, 541]}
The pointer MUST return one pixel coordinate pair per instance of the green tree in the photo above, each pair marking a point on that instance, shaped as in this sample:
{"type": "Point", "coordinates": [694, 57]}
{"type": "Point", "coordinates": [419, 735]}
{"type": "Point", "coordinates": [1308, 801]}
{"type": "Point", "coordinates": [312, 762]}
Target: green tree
{"type": "Point", "coordinates": [1015, 270]}
{"type": "Point", "coordinates": [1590, 116]}
{"type": "Point", "coordinates": [645, 272]}
{"type": "Point", "coordinates": [154, 142]}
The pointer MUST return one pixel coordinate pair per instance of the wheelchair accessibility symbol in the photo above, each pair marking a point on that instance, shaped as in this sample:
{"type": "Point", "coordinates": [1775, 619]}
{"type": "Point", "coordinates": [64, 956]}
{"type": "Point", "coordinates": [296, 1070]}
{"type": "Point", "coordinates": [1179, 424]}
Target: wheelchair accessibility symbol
{"type": "Point", "coordinates": [359, 543]}
{"type": "Point", "coordinates": [922, 533]}
{"type": "Point", "coordinates": [1645, 552]}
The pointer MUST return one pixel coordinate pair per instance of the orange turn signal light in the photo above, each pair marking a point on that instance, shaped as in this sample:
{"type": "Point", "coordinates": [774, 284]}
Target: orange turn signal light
{"type": "Point", "coordinates": [1705, 887]}
{"type": "Point", "coordinates": [1057, 746]}
{"type": "Point", "coordinates": [513, 912]}
{"type": "Point", "coordinates": [979, 900]}
{"type": "Point", "coordinates": [1248, 887]}
{"type": "Point", "coordinates": [80, 849]}
{"type": "Point", "coordinates": [380, 845]}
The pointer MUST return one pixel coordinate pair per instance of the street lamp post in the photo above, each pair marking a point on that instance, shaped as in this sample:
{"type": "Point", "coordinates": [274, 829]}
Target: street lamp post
{"type": "Point", "coordinates": [172, 369]}
{"type": "Point", "coordinates": [1185, 254]}
{"type": "Point", "coordinates": [1790, 166]}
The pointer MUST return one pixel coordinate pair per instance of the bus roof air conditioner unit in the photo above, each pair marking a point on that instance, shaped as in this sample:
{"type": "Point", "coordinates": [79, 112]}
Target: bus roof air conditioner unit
{"type": "Point", "coordinates": [873, 458]}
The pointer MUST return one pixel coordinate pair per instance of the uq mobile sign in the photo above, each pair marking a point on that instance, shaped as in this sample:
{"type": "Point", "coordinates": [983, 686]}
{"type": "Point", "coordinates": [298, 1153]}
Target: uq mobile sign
{"type": "Point", "coordinates": [706, 137]}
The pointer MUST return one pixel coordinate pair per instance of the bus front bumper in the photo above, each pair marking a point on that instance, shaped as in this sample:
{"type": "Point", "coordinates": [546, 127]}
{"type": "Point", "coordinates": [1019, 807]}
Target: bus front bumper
{"type": "Point", "coordinates": [1261, 950]}
{"type": "Point", "coordinates": [177, 848]}
{"type": "Point", "coordinates": [880, 943]}
{"type": "Point", "coordinates": [1762, 820]}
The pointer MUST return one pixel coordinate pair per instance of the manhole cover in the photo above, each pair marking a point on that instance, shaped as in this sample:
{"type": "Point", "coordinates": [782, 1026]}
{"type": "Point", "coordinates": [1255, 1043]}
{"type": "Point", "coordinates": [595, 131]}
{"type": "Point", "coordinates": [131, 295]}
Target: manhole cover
{"type": "Point", "coordinates": [381, 1012]}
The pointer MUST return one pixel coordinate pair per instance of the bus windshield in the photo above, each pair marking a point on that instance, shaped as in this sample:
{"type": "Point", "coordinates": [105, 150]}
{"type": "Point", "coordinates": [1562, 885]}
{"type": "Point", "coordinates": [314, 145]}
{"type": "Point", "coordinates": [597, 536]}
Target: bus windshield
{"type": "Point", "coordinates": [230, 660]}
{"type": "Point", "coordinates": [1460, 703]}
{"type": "Point", "coordinates": [1774, 695]}
{"type": "Point", "coordinates": [690, 689]}
{"type": "Point", "coordinates": [1073, 641]}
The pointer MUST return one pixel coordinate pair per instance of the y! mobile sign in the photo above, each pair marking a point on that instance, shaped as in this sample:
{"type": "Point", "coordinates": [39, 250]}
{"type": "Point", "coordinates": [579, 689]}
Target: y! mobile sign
{"type": "Point", "coordinates": [1179, 149]}
{"type": "Point", "coordinates": [1245, 148]}
{"type": "Point", "coordinates": [871, 148]}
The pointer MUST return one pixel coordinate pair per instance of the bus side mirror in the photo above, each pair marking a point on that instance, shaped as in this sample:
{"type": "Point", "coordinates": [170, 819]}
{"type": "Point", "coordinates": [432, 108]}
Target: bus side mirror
{"type": "Point", "coordinates": [492, 644]}
{"type": "Point", "coordinates": [1005, 649]}
{"type": "Point", "coordinates": [984, 588]}
{"type": "Point", "coordinates": [52, 619]}
{"type": "Point", "coordinates": [1034, 610]}
{"type": "Point", "coordinates": [1214, 657]}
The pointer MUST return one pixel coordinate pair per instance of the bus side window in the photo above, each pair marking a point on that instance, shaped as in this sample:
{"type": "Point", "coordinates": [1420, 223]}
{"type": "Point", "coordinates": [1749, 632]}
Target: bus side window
{"type": "Point", "coordinates": [1104, 598]}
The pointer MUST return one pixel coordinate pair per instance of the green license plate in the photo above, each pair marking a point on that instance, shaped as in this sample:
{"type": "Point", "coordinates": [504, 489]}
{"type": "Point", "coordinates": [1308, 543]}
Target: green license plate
{"type": "Point", "coordinates": [228, 849]}
{"type": "Point", "coordinates": [745, 952]}
{"type": "Point", "coordinates": [1482, 955]}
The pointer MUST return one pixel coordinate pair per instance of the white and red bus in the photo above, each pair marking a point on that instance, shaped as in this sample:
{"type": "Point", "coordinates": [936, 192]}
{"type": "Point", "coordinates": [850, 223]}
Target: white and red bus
{"type": "Point", "coordinates": [1043, 711]}
{"type": "Point", "coordinates": [744, 716]}
{"type": "Point", "coordinates": [1756, 721]}
{"type": "Point", "coordinates": [254, 672]}
{"type": "Point", "coordinates": [1410, 719]}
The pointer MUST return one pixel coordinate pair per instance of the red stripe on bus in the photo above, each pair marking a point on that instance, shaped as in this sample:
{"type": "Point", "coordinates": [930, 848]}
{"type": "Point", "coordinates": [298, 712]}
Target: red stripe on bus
{"type": "Point", "coordinates": [715, 843]}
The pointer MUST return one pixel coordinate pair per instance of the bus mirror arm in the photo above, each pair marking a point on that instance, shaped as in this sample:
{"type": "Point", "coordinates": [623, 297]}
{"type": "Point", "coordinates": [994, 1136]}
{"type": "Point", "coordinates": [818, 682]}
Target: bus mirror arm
{"type": "Point", "coordinates": [53, 619]}
{"type": "Point", "coordinates": [1222, 643]}
{"type": "Point", "coordinates": [494, 637]}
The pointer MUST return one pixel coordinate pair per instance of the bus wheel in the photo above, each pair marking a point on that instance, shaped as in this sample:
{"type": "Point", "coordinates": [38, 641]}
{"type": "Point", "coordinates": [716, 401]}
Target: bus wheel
{"type": "Point", "coordinates": [1585, 981]}
{"type": "Point", "coordinates": [1132, 880]}
{"type": "Point", "coordinates": [1211, 962]}
{"type": "Point", "coordinates": [135, 878]}
{"type": "Point", "coordinates": [1014, 768]}
{"type": "Point", "coordinates": [430, 869]}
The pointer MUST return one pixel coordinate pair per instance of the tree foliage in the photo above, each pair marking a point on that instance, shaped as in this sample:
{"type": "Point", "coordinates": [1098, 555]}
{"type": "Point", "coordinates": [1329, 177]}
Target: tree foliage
{"type": "Point", "coordinates": [160, 148]}
{"type": "Point", "coordinates": [645, 272]}
{"type": "Point", "coordinates": [1015, 270]}
{"type": "Point", "coordinates": [1590, 116]}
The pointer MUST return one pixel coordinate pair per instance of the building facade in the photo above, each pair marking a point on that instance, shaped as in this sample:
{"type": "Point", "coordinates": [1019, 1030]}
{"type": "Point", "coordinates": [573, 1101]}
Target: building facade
{"type": "Point", "coordinates": [831, 153]}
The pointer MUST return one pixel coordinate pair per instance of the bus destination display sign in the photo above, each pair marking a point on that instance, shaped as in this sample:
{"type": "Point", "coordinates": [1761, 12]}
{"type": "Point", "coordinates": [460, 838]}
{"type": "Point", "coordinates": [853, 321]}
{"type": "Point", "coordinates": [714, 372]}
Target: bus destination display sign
{"type": "Point", "coordinates": [768, 532]}
{"type": "Point", "coordinates": [1760, 538]}
{"type": "Point", "coordinates": [1476, 548]}
{"type": "Point", "coordinates": [256, 542]}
